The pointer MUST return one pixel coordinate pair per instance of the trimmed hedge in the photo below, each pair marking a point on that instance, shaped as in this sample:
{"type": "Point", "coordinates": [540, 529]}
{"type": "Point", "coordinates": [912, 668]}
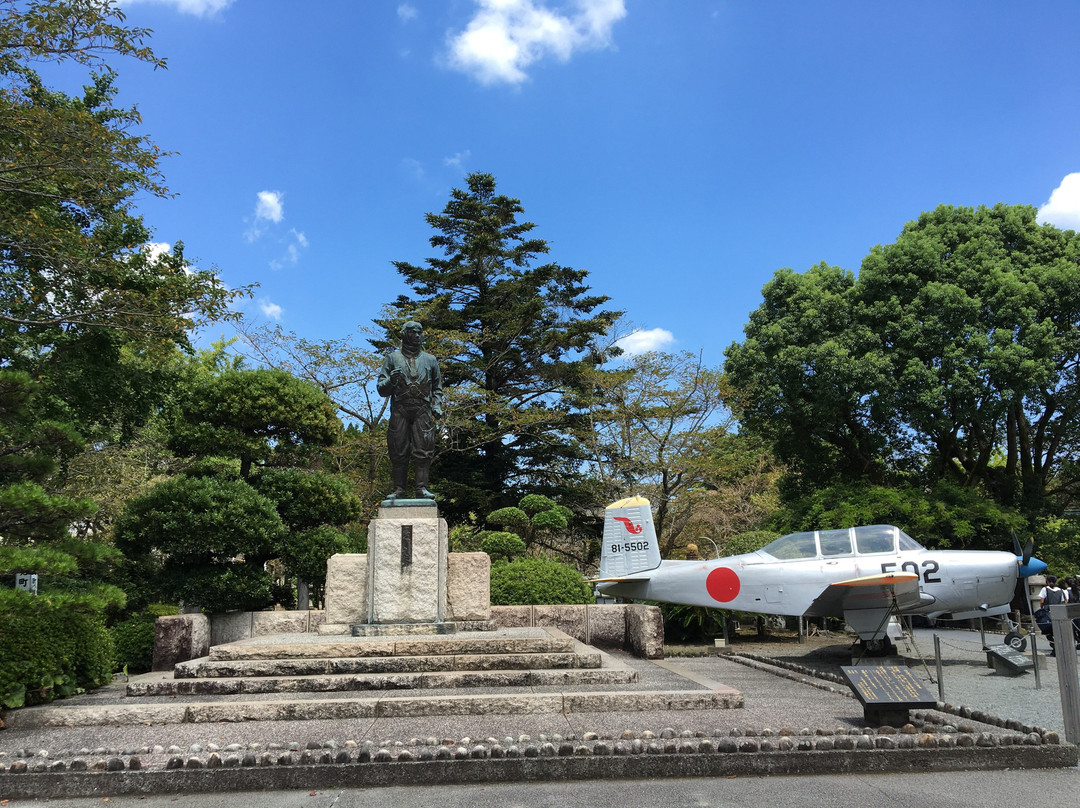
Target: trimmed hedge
{"type": "Point", "coordinates": [537, 582]}
{"type": "Point", "coordinates": [49, 651]}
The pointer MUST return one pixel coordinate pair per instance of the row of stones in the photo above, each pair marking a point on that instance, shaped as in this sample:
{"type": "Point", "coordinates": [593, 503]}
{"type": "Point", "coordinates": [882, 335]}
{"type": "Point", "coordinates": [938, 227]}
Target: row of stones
{"type": "Point", "coordinates": [981, 716]}
{"type": "Point", "coordinates": [686, 742]}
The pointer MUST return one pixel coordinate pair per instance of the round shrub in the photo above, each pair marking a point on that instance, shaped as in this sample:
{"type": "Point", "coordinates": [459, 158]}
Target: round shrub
{"type": "Point", "coordinates": [502, 546]}
{"type": "Point", "coordinates": [537, 582]}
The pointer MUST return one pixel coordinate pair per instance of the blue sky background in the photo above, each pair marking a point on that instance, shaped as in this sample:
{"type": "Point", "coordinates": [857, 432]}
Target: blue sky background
{"type": "Point", "coordinates": [681, 152]}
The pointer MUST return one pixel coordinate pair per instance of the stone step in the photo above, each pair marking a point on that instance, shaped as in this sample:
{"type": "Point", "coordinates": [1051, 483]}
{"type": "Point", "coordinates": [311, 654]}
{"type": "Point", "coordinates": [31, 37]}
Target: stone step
{"type": "Point", "coordinates": [342, 649]}
{"type": "Point", "coordinates": [204, 667]}
{"type": "Point", "coordinates": [400, 706]}
{"type": "Point", "coordinates": [382, 682]}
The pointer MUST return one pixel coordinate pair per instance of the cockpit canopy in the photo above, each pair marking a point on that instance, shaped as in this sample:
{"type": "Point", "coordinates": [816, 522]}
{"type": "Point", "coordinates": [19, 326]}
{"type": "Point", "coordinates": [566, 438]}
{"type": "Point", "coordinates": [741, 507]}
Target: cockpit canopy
{"type": "Point", "coordinates": [865, 540]}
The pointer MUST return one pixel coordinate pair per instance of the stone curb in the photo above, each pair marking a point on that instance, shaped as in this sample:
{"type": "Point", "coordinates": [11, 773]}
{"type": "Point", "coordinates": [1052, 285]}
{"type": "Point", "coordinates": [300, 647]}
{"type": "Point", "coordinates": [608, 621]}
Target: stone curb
{"type": "Point", "coordinates": [414, 706]}
{"type": "Point", "coordinates": [489, 765]}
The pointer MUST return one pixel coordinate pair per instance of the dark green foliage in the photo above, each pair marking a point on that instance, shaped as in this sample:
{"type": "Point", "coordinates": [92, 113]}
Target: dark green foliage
{"type": "Point", "coordinates": [502, 546]}
{"type": "Point", "coordinates": [513, 338]}
{"type": "Point", "coordinates": [748, 542]}
{"type": "Point", "coordinates": [692, 624]}
{"type": "Point", "coordinates": [306, 553]}
{"type": "Point", "coordinates": [536, 582]}
{"type": "Point", "coordinates": [134, 642]}
{"type": "Point", "coordinates": [951, 358]}
{"type": "Point", "coordinates": [945, 516]}
{"type": "Point", "coordinates": [49, 650]}
{"type": "Point", "coordinates": [204, 541]}
{"type": "Point", "coordinates": [305, 499]}
{"type": "Point", "coordinates": [256, 416]}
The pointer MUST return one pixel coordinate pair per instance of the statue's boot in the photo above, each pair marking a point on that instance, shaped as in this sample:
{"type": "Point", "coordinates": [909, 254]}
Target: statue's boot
{"type": "Point", "coordinates": [423, 473]}
{"type": "Point", "coordinates": [400, 475]}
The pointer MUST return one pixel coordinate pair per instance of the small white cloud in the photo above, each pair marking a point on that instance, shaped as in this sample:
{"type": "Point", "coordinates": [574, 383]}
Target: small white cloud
{"type": "Point", "coordinates": [270, 206]}
{"type": "Point", "coordinates": [271, 310]}
{"type": "Point", "coordinates": [301, 239]}
{"type": "Point", "coordinates": [458, 160]}
{"type": "Point", "coordinates": [507, 36]}
{"type": "Point", "coordinates": [406, 12]}
{"type": "Point", "coordinates": [200, 8]}
{"type": "Point", "coordinates": [1063, 208]}
{"type": "Point", "coordinates": [643, 341]}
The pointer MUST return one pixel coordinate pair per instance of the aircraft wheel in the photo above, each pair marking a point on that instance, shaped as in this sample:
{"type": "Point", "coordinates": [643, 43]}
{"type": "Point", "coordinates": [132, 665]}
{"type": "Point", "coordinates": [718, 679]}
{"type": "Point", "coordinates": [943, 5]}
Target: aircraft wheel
{"type": "Point", "coordinates": [1016, 640]}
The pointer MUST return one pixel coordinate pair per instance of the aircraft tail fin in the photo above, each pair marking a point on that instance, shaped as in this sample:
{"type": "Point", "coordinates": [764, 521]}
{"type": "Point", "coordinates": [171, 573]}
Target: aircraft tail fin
{"type": "Point", "coordinates": [630, 543]}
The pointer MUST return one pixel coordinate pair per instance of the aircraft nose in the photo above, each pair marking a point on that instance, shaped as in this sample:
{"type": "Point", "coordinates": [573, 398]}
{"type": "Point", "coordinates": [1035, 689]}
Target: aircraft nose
{"type": "Point", "coordinates": [1033, 567]}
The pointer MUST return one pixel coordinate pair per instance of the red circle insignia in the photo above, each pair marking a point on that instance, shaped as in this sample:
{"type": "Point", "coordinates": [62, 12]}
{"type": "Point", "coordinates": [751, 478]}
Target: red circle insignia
{"type": "Point", "coordinates": [723, 584]}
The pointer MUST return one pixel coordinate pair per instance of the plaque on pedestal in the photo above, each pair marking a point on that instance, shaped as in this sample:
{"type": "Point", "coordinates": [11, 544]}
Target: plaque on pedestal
{"type": "Point", "coordinates": [887, 692]}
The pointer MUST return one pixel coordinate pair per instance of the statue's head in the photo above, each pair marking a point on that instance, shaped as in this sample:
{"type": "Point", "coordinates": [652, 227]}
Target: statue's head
{"type": "Point", "coordinates": [412, 334]}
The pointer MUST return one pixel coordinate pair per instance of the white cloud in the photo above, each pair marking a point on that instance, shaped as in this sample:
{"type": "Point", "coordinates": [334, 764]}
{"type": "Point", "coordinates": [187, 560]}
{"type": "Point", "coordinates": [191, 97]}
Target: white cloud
{"type": "Point", "coordinates": [1063, 208]}
{"type": "Point", "coordinates": [507, 36]}
{"type": "Point", "coordinates": [270, 206]}
{"type": "Point", "coordinates": [642, 341]}
{"type": "Point", "coordinates": [458, 160]}
{"type": "Point", "coordinates": [271, 310]}
{"type": "Point", "coordinates": [292, 251]}
{"type": "Point", "coordinates": [200, 8]}
{"type": "Point", "coordinates": [407, 12]}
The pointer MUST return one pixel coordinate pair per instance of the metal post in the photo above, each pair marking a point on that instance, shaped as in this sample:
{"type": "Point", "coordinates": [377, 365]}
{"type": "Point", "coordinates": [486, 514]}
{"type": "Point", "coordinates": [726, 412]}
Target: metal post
{"type": "Point", "coordinates": [1062, 615]}
{"type": "Point", "coordinates": [982, 633]}
{"type": "Point", "coordinates": [802, 629]}
{"type": "Point", "coordinates": [937, 663]}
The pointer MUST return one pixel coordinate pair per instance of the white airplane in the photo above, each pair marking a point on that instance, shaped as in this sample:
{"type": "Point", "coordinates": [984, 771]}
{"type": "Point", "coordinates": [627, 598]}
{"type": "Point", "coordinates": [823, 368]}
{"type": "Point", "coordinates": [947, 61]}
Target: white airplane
{"type": "Point", "coordinates": [866, 575]}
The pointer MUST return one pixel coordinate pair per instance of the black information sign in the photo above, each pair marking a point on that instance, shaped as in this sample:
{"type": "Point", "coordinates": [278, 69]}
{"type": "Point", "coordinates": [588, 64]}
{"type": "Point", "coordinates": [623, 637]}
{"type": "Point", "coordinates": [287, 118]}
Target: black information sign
{"type": "Point", "coordinates": [1006, 659]}
{"type": "Point", "coordinates": [889, 686]}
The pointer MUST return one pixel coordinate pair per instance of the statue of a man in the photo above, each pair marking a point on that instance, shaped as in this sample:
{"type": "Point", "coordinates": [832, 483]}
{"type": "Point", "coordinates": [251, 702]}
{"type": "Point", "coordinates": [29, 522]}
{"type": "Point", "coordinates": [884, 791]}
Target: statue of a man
{"type": "Point", "coordinates": [410, 378]}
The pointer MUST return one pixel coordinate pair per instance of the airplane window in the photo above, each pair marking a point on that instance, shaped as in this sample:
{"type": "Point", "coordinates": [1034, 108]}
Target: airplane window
{"type": "Point", "coordinates": [908, 543]}
{"type": "Point", "coordinates": [835, 542]}
{"type": "Point", "coordinates": [874, 538]}
{"type": "Point", "coordinates": [794, 545]}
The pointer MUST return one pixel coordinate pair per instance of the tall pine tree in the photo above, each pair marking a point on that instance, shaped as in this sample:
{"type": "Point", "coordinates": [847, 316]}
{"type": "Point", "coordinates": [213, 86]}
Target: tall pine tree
{"type": "Point", "coordinates": [513, 339]}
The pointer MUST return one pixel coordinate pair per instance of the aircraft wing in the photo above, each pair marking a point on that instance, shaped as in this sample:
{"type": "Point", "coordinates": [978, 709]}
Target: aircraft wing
{"type": "Point", "coordinates": [877, 592]}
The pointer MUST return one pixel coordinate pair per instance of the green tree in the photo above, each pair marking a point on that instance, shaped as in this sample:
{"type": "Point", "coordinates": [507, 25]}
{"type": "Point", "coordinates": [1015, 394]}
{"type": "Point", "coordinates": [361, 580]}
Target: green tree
{"type": "Point", "coordinates": [85, 306]}
{"type": "Point", "coordinates": [260, 416]}
{"type": "Point", "coordinates": [652, 421]}
{"type": "Point", "coordinates": [204, 541]}
{"type": "Point", "coordinates": [536, 582]}
{"type": "Point", "coordinates": [513, 339]}
{"type": "Point", "coordinates": [952, 358]}
{"type": "Point", "coordinates": [315, 508]}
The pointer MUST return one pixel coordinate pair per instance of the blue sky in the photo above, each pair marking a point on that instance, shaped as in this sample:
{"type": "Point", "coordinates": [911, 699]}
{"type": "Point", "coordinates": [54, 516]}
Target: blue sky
{"type": "Point", "coordinates": [681, 152]}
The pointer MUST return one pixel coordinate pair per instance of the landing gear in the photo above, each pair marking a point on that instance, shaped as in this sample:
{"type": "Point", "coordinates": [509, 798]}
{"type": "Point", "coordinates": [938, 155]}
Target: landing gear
{"type": "Point", "coordinates": [1015, 639]}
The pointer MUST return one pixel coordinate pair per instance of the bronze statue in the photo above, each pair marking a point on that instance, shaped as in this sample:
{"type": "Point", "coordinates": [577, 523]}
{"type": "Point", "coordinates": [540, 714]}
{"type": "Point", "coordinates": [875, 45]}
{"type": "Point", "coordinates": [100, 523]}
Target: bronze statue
{"type": "Point", "coordinates": [410, 378]}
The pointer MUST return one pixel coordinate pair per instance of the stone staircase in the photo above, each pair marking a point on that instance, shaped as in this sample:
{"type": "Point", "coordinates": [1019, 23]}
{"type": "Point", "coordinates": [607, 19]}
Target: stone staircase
{"type": "Point", "coordinates": [512, 658]}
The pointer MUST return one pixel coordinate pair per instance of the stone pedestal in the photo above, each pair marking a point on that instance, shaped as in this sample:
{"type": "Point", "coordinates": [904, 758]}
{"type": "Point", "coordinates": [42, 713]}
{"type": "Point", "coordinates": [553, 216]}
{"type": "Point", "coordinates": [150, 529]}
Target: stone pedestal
{"type": "Point", "coordinates": [407, 549]}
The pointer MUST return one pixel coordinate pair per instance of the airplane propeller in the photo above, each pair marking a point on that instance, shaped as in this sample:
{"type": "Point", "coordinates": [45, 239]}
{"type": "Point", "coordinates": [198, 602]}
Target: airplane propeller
{"type": "Point", "coordinates": [1028, 565]}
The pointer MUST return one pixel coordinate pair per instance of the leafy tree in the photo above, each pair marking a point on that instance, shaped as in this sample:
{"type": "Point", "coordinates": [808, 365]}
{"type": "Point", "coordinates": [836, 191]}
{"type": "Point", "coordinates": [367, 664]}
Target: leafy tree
{"type": "Point", "coordinates": [652, 421]}
{"type": "Point", "coordinates": [256, 416]}
{"type": "Point", "coordinates": [314, 507]}
{"type": "Point", "coordinates": [85, 306]}
{"type": "Point", "coordinates": [513, 338]}
{"type": "Point", "coordinates": [204, 541]}
{"type": "Point", "coordinates": [952, 358]}
{"type": "Point", "coordinates": [346, 373]}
